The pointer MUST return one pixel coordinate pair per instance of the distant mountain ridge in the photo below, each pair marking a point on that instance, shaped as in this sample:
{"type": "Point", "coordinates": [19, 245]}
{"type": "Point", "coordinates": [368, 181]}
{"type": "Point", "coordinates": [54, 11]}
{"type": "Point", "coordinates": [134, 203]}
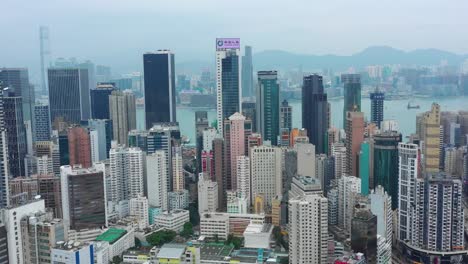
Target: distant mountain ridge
{"type": "Point", "coordinates": [375, 55]}
{"type": "Point", "coordinates": [278, 59]}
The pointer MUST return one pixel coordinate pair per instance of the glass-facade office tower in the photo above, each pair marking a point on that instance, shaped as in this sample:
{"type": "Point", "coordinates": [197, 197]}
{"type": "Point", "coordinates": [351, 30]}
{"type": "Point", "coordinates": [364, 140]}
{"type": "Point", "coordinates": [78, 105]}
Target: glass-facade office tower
{"type": "Point", "coordinates": [377, 107]}
{"type": "Point", "coordinates": [386, 163]}
{"type": "Point", "coordinates": [268, 105]}
{"type": "Point", "coordinates": [18, 79]}
{"type": "Point", "coordinates": [247, 73]}
{"type": "Point", "coordinates": [315, 111]}
{"type": "Point", "coordinates": [159, 75]}
{"type": "Point", "coordinates": [250, 112]}
{"type": "Point", "coordinates": [69, 100]}
{"type": "Point", "coordinates": [352, 94]}
{"type": "Point", "coordinates": [228, 86]}
{"type": "Point", "coordinates": [15, 131]}
{"type": "Point", "coordinates": [100, 100]}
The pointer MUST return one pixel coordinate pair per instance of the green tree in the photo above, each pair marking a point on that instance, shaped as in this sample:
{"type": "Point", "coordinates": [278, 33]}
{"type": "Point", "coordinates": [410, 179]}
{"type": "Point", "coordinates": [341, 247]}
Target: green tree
{"type": "Point", "coordinates": [161, 237]}
{"type": "Point", "coordinates": [188, 230]}
{"type": "Point", "coordinates": [116, 260]}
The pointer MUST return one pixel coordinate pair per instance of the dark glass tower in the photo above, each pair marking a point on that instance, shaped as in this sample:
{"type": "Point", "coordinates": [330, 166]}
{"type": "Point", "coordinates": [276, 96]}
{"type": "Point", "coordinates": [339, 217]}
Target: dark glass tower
{"type": "Point", "coordinates": [250, 112]}
{"type": "Point", "coordinates": [159, 75]}
{"type": "Point", "coordinates": [18, 79]}
{"type": "Point", "coordinates": [69, 99]}
{"type": "Point", "coordinates": [352, 94]}
{"type": "Point", "coordinates": [377, 107]}
{"type": "Point", "coordinates": [315, 111]}
{"type": "Point", "coordinates": [228, 84]}
{"type": "Point", "coordinates": [247, 73]}
{"type": "Point", "coordinates": [100, 100]}
{"type": "Point", "coordinates": [268, 105]}
{"type": "Point", "coordinates": [15, 131]}
{"type": "Point", "coordinates": [386, 163]}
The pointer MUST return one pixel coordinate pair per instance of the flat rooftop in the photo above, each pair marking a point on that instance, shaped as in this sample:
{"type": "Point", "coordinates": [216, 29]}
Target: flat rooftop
{"type": "Point", "coordinates": [111, 235]}
{"type": "Point", "coordinates": [171, 251]}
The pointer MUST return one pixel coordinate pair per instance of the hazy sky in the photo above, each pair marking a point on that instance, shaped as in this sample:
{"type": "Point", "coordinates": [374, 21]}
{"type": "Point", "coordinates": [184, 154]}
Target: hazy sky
{"type": "Point", "coordinates": [117, 32]}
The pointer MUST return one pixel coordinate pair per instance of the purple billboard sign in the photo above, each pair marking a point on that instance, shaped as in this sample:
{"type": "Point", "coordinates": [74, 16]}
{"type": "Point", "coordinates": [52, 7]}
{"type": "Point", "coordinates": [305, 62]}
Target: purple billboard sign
{"type": "Point", "coordinates": [227, 43]}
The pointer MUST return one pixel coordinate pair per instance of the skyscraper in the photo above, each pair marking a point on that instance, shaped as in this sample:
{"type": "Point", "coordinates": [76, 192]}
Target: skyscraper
{"type": "Point", "coordinates": [285, 116]}
{"type": "Point", "coordinates": [430, 134]}
{"type": "Point", "coordinates": [42, 122]}
{"type": "Point", "coordinates": [408, 173]}
{"type": "Point", "coordinates": [354, 138]}
{"type": "Point", "coordinates": [349, 187]}
{"type": "Point", "coordinates": [84, 196]}
{"type": "Point", "coordinates": [265, 165]}
{"type": "Point", "coordinates": [45, 55]}
{"type": "Point", "coordinates": [103, 130]}
{"type": "Point", "coordinates": [234, 145]}
{"type": "Point", "coordinates": [228, 86]}
{"type": "Point", "coordinates": [381, 206]}
{"type": "Point", "coordinates": [201, 123]}
{"type": "Point", "coordinates": [159, 74]}
{"type": "Point", "coordinates": [164, 136]}
{"type": "Point", "coordinates": [219, 170]}
{"type": "Point", "coordinates": [69, 100]}
{"type": "Point", "coordinates": [268, 105]}
{"type": "Point", "coordinates": [352, 94]}
{"type": "Point", "coordinates": [315, 111]}
{"type": "Point", "coordinates": [247, 73]}
{"type": "Point", "coordinates": [178, 178]}
{"type": "Point", "coordinates": [207, 194]}
{"type": "Point", "coordinates": [243, 178]}
{"type": "Point", "coordinates": [386, 163]}
{"type": "Point", "coordinates": [127, 173]}
{"type": "Point", "coordinates": [377, 106]}
{"type": "Point", "coordinates": [100, 100]}
{"type": "Point", "coordinates": [123, 114]}
{"type": "Point", "coordinates": [249, 110]}
{"type": "Point", "coordinates": [18, 80]}
{"type": "Point", "coordinates": [12, 122]}
{"type": "Point", "coordinates": [364, 232]}
{"type": "Point", "coordinates": [4, 172]}
{"type": "Point", "coordinates": [364, 167]}
{"type": "Point", "coordinates": [307, 244]}
{"type": "Point", "coordinates": [79, 146]}
{"type": "Point", "coordinates": [438, 223]}
{"type": "Point", "coordinates": [156, 179]}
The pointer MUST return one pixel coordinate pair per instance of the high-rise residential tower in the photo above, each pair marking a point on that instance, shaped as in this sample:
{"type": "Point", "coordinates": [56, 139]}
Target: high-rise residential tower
{"type": "Point", "coordinates": [268, 105]}
{"type": "Point", "coordinates": [234, 136]}
{"type": "Point", "coordinates": [69, 99]}
{"type": "Point", "coordinates": [408, 173]}
{"type": "Point", "coordinates": [266, 172]}
{"type": "Point", "coordinates": [430, 134]}
{"type": "Point", "coordinates": [159, 74]}
{"type": "Point", "coordinates": [377, 106]}
{"type": "Point", "coordinates": [352, 94]}
{"type": "Point", "coordinates": [228, 79]}
{"type": "Point", "coordinates": [307, 244]}
{"type": "Point", "coordinates": [247, 73]}
{"type": "Point", "coordinates": [123, 114]}
{"type": "Point", "coordinates": [127, 173]}
{"type": "Point", "coordinates": [315, 111]}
